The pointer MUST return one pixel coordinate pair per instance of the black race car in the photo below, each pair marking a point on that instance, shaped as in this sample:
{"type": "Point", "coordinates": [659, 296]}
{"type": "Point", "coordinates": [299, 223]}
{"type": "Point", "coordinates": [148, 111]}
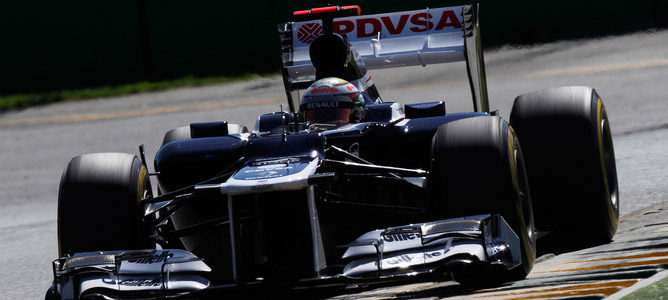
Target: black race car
{"type": "Point", "coordinates": [396, 192]}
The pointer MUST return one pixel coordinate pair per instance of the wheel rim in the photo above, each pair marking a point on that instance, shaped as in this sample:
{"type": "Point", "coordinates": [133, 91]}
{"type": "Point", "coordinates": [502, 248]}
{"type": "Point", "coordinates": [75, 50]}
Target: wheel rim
{"type": "Point", "coordinates": [521, 184]}
{"type": "Point", "coordinates": [608, 153]}
{"type": "Point", "coordinates": [523, 191]}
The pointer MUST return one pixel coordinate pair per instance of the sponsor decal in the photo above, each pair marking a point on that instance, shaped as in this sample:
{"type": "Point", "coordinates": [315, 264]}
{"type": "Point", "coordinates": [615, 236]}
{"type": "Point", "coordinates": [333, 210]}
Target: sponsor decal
{"type": "Point", "coordinates": [402, 23]}
{"type": "Point", "coordinates": [324, 90]}
{"type": "Point", "coordinates": [273, 168]}
{"type": "Point", "coordinates": [496, 249]}
{"type": "Point", "coordinates": [141, 282]}
{"type": "Point", "coordinates": [322, 104]}
{"type": "Point", "coordinates": [400, 237]}
{"type": "Point", "coordinates": [266, 172]}
{"type": "Point", "coordinates": [308, 32]}
{"type": "Point", "coordinates": [276, 161]}
{"type": "Point", "coordinates": [399, 259]}
{"type": "Point", "coordinates": [269, 168]}
{"type": "Point", "coordinates": [152, 259]}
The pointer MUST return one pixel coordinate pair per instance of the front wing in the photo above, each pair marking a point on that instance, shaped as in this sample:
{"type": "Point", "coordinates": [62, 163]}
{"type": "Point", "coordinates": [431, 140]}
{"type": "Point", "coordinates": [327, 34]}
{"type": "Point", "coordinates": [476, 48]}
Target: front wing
{"type": "Point", "coordinates": [405, 251]}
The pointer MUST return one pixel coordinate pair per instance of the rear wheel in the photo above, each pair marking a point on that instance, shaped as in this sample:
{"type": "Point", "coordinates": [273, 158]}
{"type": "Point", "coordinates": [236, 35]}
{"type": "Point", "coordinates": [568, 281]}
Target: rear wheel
{"type": "Point", "coordinates": [478, 168]}
{"type": "Point", "coordinates": [98, 204]}
{"type": "Point", "coordinates": [177, 134]}
{"type": "Point", "coordinates": [183, 133]}
{"type": "Point", "coordinates": [180, 134]}
{"type": "Point", "coordinates": [570, 160]}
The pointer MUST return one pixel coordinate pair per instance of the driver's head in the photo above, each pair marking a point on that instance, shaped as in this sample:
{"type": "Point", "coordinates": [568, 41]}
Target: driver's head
{"type": "Point", "coordinates": [331, 100]}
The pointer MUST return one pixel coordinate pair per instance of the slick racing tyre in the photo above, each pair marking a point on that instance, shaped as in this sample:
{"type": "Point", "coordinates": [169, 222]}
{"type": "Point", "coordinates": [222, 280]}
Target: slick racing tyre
{"type": "Point", "coordinates": [176, 134]}
{"type": "Point", "coordinates": [98, 204]}
{"type": "Point", "coordinates": [570, 159]}
{"type": "Point", "coordinates": [477, 168]}
{"type": "Point", "coordinates": [183, 133]}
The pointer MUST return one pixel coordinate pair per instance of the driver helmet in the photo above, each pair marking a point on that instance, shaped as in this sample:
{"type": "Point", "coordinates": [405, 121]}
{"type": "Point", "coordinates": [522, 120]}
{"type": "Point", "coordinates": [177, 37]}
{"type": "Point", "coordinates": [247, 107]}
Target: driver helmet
{"type": "Point", "coordinates": [332, 101]}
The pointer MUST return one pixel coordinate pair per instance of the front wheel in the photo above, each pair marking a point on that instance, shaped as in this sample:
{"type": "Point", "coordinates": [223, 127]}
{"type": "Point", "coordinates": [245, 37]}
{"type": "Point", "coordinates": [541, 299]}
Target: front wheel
{"type": "Point", "coordinates": [570, 158]}
{"type": "Point", "coordinates": [98, 204]}
{"type": "Point", "coordinates": [478, 168]}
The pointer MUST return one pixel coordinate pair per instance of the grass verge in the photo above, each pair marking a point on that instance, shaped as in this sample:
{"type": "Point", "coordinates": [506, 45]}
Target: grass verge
{"type": "Point", "coordinates": [658, 290]}
{"type": "Point", "coordinates": [16, 101]}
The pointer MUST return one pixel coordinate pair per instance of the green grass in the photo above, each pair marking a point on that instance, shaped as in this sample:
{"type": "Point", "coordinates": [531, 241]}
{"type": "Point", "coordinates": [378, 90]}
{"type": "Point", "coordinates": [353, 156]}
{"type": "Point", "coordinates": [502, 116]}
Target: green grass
{"type": "Point", "coordinates": [657, 291]}
{"type": "Point", "coordinates": [15, 101]}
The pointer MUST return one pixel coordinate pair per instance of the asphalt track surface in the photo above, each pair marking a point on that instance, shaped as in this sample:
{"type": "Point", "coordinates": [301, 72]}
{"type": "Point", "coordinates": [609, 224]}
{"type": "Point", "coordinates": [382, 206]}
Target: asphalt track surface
{"type": "Point", "coordinates": [630, 72]}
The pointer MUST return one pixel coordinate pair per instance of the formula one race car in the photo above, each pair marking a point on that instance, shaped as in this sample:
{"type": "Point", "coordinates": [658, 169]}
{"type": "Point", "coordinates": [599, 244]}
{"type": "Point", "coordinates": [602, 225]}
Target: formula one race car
{"type": "Point", "coordinates": [345, 187]}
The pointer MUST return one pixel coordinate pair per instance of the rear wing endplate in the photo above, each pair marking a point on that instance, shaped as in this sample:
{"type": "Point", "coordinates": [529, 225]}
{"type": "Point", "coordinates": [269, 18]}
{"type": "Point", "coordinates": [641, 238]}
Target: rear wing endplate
{"type": "Point", "coordinates": [410, 38]}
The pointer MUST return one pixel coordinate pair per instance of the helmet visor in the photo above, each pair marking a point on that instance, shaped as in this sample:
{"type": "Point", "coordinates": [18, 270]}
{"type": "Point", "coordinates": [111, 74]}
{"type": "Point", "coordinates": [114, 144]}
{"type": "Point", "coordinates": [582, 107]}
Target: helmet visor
{"type": "Point", "coordinates": [328, 115]}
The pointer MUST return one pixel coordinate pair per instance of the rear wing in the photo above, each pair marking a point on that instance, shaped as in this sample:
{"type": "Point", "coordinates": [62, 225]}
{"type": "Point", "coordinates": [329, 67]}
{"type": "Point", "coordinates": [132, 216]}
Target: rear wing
{"type": "Point", "coordinates": [409, 38]}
